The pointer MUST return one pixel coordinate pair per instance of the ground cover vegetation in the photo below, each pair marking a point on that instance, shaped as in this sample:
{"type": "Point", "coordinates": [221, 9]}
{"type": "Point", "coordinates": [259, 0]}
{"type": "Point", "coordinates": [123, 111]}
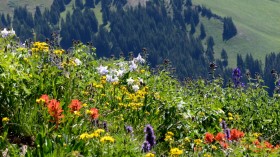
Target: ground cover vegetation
{"type": "Point", "coordinates": [57, 102]}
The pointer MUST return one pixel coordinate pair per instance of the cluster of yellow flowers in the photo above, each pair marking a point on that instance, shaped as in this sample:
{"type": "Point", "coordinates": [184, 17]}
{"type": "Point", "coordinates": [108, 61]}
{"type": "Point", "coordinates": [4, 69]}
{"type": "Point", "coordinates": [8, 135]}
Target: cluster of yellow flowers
{"type": "Point", "coordinates": [175, 152]}
{"type": "Point", "coordinates": [40, 47]}
{"type": "Point", "coordinates": [58, 52]}
{"type": "Point", "coordinates": [95, 134]}
{"type": "Point", "coordinates": [5, 119]}
{"type": "Point", "coordinates": [150, 155]}
{"type": "Point", "coordinates": [169, 136]}
{"type": "Point", "coordinates": [107, 138]}
{"type": "Point", "coordinates": [132, 105]}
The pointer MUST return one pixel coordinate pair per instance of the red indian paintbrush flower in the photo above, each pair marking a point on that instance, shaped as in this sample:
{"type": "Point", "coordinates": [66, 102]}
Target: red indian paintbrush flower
{"type": "Point", "coordinates": [236, 134]}
{"type": "Point", "coordinates": [220, 137]}
{"type": "Point", "coordinates": [45, 98]}
{"type": "Point", "coordinates": [94, 113]}
{"type": "Point", "coordinates": [209, 138]}
{"type": "Point", "coordinates": [75, 105]}
{"type": "Point", "coordinates": [55, 111]}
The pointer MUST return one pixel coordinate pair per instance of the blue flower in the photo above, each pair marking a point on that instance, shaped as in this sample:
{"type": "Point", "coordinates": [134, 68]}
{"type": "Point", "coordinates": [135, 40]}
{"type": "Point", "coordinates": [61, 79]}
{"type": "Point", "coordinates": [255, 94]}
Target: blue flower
{"type": "Point", "coordinates": [150, 136]}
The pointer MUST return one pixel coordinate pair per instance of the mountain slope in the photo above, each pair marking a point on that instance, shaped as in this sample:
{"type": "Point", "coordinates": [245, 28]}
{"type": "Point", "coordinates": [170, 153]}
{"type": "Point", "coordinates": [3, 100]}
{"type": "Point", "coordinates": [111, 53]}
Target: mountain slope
{"type": "Point", "coordinates": [257, 22]}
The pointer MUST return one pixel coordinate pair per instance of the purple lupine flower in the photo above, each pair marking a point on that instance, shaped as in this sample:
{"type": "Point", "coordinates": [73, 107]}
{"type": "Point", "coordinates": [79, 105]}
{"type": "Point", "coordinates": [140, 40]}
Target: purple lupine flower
{"type": "Point", "coordinates": [146, 147]}
{"type": "Point", "coordinates": [129, 129]}
{"type": "Point", "coordinates": [236, 76]}
{"type": "Point", "coordinates": [227, 132]}
{"type": "Point", "coordinates": [150, 136]}
{"type": "Point", "coordinates": [223, 124]}
{"type": "Point", "coordinates": [105, 126]}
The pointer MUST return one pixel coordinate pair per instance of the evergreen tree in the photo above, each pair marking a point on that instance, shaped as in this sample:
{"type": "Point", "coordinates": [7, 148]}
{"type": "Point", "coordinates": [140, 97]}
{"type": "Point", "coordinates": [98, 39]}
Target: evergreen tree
{"type": "Point", "coordinates": [202, 31]}
{"type": "Point", "coordinates": [79, 4]}
{"type": "Point", "coordinates": [224, 58]}
{"type": "Point", "coordinates": [229, 30]}
{"type": "Point", "coordinates": [89, 3]}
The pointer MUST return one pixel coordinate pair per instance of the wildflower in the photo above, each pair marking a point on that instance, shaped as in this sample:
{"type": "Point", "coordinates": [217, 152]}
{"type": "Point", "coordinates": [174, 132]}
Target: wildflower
{"type": "Point", "coordinates": [220, 137]}
{"type": "Point", "coordinates": [236, 76]}
{"type": "Point", "coordinates": [55, 111]}
{"type": "Point", "coordinates": [4, 33]}
{"type": "Point", "coordinates": [230, 118]}
{"type": "Point", "coordinates": [5, 119]}
{"type": "Point", "coordinates": [187, 139]}
{"type": "Point", "coordinates": [132, 66]}
{"type": "Point", "coordinates": [77, 113]}
{"type": "Point", "coordinates": [256, 134]}
{"type": "Point", "coordinates": [94, 113]}
{"type": "Point", "coordinates": [206, 155]}
{"type": "Point", "coordinates": [103, 70]}
{"type": "Point", "coordinates": [107, 139]}
{"type": "Point", "coordinates": [268, 145]}
{"type": "Point", "coordinates": [85, 105]}
{"type": "Point", "coordinates": [224, 145]}
{"type": "Point", "coordinates": [105, 126]}
{"type": "Point", "coordinates": [223, 124]}
{"type": "Point", "coordinates": [129, 81]}
{"type": "Point", "coordinates": [197, 141]}
{"type": "Point", "coordinates": [150, 155]}
{"type": "Point", "coordinates": [209, 138]}
{"type": "Point", "coordinates": [236, 134]}
{"type": "Point", "coordinates": [146, 147]}
{"type": "Point", "coordinates": [99, 131]}
{"type": "Point", "coordinates": [256, 142]}
{"type": "Point", "coordinates": [139, 59]}
{"type": "Point", "coordinates": [175, 152]}
{"type": "Point", "coordinates": [120, 73]}
{"type": "Point", "coordinates": [78, 62]}
{"type": "Point", "coordinates": [230, 114]}
{"type": "Point", "coordinates": [112, 79]}
{"type": "Point", "coordinates": [150, 136]}
{"type": "Point", "coordinates": [75, 105]}
{"type": "Point", "coordinates": [129, 129]}
{"type": "Point", "coordinates": [135, 88]}
{"type": "Point", "coordinates": [227, 132]}
{"type": "Point", "coordinates": [214, 147]}
{"type": "Point", "coordinates": [12, 32]}
{"type": "Point", "coordinates": [44, 98]}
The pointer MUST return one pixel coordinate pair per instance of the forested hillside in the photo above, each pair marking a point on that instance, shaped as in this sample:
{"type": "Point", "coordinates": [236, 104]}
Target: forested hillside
{"type": "Point", "coordinates": [176, 33]}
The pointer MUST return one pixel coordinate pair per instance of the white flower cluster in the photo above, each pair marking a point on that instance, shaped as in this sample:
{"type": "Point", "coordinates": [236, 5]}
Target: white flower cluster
{"type": "Point", "coordinates": [6, 33]}
{"type": "Point", "coordinates": [112, 75]}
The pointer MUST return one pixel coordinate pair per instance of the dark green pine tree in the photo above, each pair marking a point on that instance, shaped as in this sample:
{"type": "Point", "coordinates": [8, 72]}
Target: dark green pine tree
{"type": "Point", "coordinates": [224, 58]}
{"type": "Point", "coordinates": [202, 31]}
{"type": "Point", "coordinates": [89, 3]}
{"type": "Point", "coordinates": [229, 30]}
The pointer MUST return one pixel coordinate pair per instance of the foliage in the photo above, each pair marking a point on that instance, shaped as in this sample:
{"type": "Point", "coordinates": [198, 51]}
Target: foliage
{"type": "Point", "coordinates": [69, 103]}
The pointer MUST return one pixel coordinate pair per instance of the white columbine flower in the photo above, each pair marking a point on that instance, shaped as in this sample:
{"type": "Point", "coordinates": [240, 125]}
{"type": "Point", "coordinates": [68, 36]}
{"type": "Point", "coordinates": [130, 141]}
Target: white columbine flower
{"type": "Point", "coordinates": [4, 33]}
{"type": "Point", "coordinates": [132, 66]}
{"type": "Point", "coordinates": [12, 32]}
{"type": "Point", "coordinates": [140, 80]}
{"type": "Point", "coordinates": [120, 73]}
{"type": "Point", "coordinates": [78, 62]}
{"type": "Point", "coordinates": [103, 70]}
{"type": "Point", "coordinates": [130, 81]}
{"type": "Point", "coordinates": [181, 104]}
{"type": "Point", "coordinates": [139, 59]}
{"type": "Point", "coordinates": [110, 78]}
{"type": "Point", "coordinates": [135, 88]}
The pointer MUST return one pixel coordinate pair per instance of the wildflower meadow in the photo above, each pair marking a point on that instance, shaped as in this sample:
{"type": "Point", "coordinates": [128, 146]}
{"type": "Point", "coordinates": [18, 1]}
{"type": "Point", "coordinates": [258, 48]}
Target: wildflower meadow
{"type": "Point", "coordinates": [57, 102]}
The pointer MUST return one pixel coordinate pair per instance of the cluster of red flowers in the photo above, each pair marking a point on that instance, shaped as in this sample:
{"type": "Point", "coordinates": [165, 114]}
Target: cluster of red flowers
{"type": "Point", "coordinates": [265, 144]}
{"type": "Point", "coordinates": [55, 111]}
{"type": "Point", "coordinates": [75, 105]}
{"type": "Point", "coordinates": [235, 135]}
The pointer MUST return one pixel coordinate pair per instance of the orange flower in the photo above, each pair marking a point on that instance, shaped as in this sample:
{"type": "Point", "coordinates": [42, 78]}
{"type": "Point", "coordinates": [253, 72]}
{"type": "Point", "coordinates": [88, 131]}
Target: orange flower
{"type": "Point", "coordinates": [224, 145]}
{"type": "Point", "coordinates": [45, 98]}
{"type": "Point", "coordinates": [236, 134]}
{"type": "Point", "coordinates": [220, 137]}
{"type": "Point", "coordinates": [55, 111]}
{"type": "Point", "coordinates": [94, 113]}
{"type": "Point", "coordinates": [268, 145]}
{"type": "Point", "coordinates": [256, 142]}
{"type": "Point", "coordinates": [209, 138]}
{"type": "Point", "coordinates": [75, 105]}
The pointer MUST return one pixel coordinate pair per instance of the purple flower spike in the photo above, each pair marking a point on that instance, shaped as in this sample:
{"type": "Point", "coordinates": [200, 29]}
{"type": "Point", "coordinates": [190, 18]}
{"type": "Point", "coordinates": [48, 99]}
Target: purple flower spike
{"type": "Point", "coordinates": [129, 129]}
{"type": "Point", "coordinates": [227, 132]}
{"type": "Point", "coordinates": [150, 136]}
{"type": "Point", "coordinates": [236, 76]}
{"type": "Point", "coordinates": [224, 124]}
{"type": "Point", "coordinates": [146, 147]}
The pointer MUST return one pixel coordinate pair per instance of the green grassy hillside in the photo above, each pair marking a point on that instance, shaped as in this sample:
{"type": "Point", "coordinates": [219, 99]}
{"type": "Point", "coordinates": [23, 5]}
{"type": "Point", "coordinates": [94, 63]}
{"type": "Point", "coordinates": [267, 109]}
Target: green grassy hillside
{"type": "Point", "coordinates": [257, 22]}
{"type": "Point", "coordinates": [8, 5]}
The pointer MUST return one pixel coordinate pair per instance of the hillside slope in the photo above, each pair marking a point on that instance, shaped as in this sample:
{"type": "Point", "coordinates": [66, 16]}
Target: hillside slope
{"type": "Point", "coordinates": [257, 22]}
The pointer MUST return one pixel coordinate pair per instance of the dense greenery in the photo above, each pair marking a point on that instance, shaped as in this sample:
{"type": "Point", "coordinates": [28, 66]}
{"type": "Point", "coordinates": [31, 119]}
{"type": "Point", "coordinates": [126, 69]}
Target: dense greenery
{"type": "Point", "coordinates": [59, 103]}
{"type": "Point", "coordinates": [168, 32]}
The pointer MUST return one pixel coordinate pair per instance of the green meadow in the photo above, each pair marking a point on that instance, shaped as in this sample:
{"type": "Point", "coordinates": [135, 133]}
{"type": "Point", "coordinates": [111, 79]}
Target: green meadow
{"type": "Point", "coordinates": [257, 22]}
